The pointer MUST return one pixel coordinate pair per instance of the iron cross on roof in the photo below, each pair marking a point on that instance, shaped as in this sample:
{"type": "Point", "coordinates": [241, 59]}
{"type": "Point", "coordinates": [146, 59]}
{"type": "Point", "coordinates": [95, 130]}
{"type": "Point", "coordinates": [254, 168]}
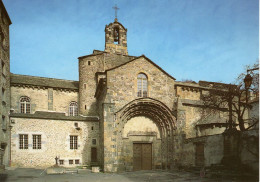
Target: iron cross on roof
{"type": "Point", "coordinates": [115, 8]}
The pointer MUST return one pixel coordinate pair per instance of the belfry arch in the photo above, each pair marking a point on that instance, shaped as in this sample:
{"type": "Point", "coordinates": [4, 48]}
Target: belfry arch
{"type": "Point", "coordinates": [162, 117]}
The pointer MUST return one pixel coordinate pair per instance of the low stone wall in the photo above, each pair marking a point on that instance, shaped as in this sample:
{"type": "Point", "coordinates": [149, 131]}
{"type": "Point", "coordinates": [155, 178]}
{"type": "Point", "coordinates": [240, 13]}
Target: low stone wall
{"type": "Point", "coordinates": [250, 149]}
{"type": "Point", "coordinates": [213, 150]}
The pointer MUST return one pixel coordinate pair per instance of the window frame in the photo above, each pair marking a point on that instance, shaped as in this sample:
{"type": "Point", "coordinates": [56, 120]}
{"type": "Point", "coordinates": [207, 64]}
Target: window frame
{"type": "Point", "coordinates": [25, 103]}
{"type": "Point", "coordinates": [37, 142]}
{"type": "Point", "coordinates": [142, 85]}
{"type": "Point", "coordinates": [73, 108]}
{"type": "Point", "coordinates": [74, 142]}
{"type": "Point", "coordinates": [23, 141]}
{"type": "Point", "coordinates": [61, 162]}
{"type": "Point", "coordinates": [71, 161]}
{"type": "Point", "coordinates": [94, 143]}
{"type": "Point", "coordinates": [77, 161]}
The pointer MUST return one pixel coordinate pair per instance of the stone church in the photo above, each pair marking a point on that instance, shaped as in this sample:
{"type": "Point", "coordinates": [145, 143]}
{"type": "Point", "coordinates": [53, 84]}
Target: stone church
{"type": "Point", "coordinates": [124, 113]}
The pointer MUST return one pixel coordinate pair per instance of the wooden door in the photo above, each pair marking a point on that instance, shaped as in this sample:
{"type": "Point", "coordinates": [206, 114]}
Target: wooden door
{"type": "Point", "coordinates": [199, 157]}
{"type": "Point", "coordinates": [93, 154]}
{"type": "Point", "coordinates": [142, 156]}
{"type": "Point", "coordinates": [137, 156]}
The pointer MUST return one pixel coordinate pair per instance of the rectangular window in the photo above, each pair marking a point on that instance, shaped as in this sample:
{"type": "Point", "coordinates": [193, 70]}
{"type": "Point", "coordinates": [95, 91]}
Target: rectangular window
{"type": "Point", "coordinates": [85, 86]}
{"type": "Point", "coordinates": [77, 161]}
{"type": "Point", "coordinates": [37, 143]}
{"type": "Point", "coordinates": [70, 162]}
{"type": "Point", "coordinates": [23, 141]}
{"type": "Point", "coordinates": [73, 142]}
{"type": "Point", "coordinates": [94, 141]}
{"type": "Point", "coordinates": [61, 162]}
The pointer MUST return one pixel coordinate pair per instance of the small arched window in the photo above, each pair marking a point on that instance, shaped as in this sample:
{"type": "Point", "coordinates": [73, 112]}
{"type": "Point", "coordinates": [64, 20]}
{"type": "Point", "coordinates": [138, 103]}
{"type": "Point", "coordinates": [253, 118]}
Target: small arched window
{"type": "Point", "coordinates": [25, 105]}
{"type": "Point", "coordinates": [142, 85]}
{"type": "Point", "coordinates": [73, 109]}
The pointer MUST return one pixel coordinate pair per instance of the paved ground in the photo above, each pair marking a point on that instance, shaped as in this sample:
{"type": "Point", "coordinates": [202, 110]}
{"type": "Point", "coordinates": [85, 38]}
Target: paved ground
{"type": "Point", "coordinates": [39, 175]}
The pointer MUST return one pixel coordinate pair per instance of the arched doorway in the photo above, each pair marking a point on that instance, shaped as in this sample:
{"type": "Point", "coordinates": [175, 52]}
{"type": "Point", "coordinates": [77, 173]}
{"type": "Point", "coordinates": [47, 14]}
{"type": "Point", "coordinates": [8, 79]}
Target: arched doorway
{"type": "Point", "coordinates": [145, 139]}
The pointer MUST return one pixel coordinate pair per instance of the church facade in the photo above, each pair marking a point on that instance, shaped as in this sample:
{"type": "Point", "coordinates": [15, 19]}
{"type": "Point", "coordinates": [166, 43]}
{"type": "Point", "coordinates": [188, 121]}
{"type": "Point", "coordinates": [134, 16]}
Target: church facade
{"type": "Point", "coordinates": [124, 113]}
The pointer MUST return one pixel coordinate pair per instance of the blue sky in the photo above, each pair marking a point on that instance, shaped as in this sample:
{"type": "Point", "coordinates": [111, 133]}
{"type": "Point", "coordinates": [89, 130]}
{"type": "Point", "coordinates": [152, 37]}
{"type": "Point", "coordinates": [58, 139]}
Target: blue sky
{"type": "Point", "coordinates": [208, 40]}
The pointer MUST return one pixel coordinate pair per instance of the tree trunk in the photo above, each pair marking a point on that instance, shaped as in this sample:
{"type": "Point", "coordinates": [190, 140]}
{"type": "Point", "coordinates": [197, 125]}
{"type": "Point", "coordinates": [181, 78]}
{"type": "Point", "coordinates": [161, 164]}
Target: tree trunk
{"type": "Point", "coordinates": [241, 124]}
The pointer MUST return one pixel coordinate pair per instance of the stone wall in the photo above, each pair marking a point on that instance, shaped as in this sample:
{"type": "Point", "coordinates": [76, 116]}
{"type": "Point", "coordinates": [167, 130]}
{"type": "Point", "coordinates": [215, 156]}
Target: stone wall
{"type": "Point", "coordinates": [40, 100]}
{"type": "Point", "coordinates": [122, 83]}
{"type": "Point", "coordinates": [5, 86]}
{"type": "Point", "coordinates": [213, 151]}
{"type": "Point", "coordinates": [121, 89]}
{"type": "Point", "coordinates": [250, 149]}
{"type": "Point", "coordinates": [89, 67]}
{"type": "Point", "coordinates": [55, 142]}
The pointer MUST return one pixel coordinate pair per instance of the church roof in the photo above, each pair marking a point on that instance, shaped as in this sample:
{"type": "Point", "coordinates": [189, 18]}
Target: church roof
{"type": "Point", "coordinates": [116, 22]}
{"type": "Point", "coordinates": [143, 56]}
{"type": "Point", "coordinates": [211, 119]}
{"type": "Point", "coordinates": [43, 82]}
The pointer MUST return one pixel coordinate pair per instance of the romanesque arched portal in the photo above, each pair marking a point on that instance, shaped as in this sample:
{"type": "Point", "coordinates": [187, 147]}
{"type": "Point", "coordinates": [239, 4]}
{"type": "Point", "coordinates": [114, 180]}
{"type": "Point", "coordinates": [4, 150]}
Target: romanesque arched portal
{"type": "Point", "coordinates": [146, 123]}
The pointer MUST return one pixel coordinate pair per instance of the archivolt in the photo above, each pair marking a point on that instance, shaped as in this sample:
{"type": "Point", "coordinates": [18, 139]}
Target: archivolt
{"type": "Point", "coordinates": [151, 108]}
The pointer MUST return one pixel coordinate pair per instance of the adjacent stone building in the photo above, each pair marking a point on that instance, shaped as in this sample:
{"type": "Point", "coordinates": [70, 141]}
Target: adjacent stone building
{"type": "Point", "coordinates": [124, 113]}
{"type": "Point", "coordinates": [5, 22]}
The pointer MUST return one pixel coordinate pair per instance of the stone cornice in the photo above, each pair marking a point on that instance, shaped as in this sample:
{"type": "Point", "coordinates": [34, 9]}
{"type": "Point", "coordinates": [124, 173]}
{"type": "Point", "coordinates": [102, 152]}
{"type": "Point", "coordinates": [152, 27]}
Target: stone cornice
{"type": "Point", "coordinates": [54, 116]}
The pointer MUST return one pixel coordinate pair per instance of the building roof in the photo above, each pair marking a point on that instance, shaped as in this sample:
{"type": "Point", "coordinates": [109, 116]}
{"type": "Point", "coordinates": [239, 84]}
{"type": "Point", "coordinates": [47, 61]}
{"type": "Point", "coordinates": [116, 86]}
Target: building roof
{"type": "Point", "coordinates": [116, 22]}
{"type": "Point", "coordinates": [211, 119]}
{"type": "Point", "coordinates": [98, 52]}
{"type": "Point", "coordinates": [43, 82]}
{"type": "Point", "coordinates": [142, 56]}
{"type": "Point", "coordinates": [54, 116]}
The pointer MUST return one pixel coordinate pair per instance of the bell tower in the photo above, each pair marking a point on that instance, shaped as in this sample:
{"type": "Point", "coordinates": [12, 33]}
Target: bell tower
{"type": "Point", "coordinates": [116, 37]}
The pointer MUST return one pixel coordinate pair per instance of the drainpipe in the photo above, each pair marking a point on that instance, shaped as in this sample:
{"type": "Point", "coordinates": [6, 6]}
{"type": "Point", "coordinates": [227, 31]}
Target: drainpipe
{"type": "Point", "coordinates": [10, 139]}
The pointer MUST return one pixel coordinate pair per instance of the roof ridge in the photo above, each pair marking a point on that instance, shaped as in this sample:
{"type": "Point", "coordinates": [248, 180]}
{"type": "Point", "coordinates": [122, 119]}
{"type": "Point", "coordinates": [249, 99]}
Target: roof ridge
{"type": "Point", "coordinates": [137, 57]}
